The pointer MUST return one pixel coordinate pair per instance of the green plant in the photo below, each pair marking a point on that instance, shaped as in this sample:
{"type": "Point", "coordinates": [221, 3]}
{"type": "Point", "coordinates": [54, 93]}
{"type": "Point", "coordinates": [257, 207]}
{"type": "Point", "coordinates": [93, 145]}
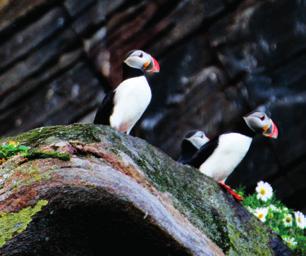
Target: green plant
{"type": "Point", "coordinates": [12, 148]}
{"type": "Point", "coordinates": [289, 224]}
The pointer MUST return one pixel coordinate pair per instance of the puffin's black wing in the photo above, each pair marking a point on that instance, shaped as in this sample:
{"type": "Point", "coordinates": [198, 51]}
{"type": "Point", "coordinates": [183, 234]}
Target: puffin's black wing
{"type": "Point", "coordinates": [203, 153]}
{"type": "Point", "coordinates": [105, 110]}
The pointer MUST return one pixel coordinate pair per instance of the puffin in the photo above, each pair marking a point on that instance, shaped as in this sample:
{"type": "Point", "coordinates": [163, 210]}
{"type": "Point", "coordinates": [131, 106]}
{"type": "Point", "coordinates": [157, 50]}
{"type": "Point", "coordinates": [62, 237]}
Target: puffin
{"type": "Point", "coordinates": [123, 107]}
{"type": "Point", "coordinates": [221, 155]}
{"type": "Point", "coordinates": [191, 143]}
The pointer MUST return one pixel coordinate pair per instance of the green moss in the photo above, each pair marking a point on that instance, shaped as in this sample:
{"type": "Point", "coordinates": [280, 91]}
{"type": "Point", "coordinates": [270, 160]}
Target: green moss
{"type": "Point", "coordinates": [242, 245]}
{"type": "Point", "coordinates": [82, 132]}
{"type": "Point", "coordinates": [10, 149]}
{"type": "Point", "coordinates": [181, 185]}
{"type": "Point", "coordinates": [200, 200]}
{"type": "Point", "coordinates": [13, 148]}
{"type": "Point", "coordinates": [39, 154]}
{"type": "Point", "coordinates": [14, 223]}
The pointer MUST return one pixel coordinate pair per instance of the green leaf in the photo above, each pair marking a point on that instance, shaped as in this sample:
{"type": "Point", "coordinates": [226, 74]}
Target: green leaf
{"type": "Point", "coordinates": [23, 148]}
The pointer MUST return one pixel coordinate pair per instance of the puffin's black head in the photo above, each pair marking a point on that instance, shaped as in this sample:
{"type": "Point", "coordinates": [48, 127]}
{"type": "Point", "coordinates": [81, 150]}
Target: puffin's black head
{"type": "Point", "coordinates": [260, 123]}
{"type": "Point", "coordinates": [191, 143]}
{"type": "Point", "coordinates": [196, 138]}
{"type": "Point", "coordinates": [141, 60]}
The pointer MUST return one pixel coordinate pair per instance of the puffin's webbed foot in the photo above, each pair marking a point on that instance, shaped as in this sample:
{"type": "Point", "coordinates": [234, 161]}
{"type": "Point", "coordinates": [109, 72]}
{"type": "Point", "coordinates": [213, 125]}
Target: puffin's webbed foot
{"type": "Point", "coordinates": [231, 191]}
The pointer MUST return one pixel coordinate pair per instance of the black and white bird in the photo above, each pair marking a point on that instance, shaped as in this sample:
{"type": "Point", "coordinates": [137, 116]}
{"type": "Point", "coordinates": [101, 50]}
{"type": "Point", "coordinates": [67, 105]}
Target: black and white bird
{"type": "Point", "coordinates": [220, 156]}
{"type": "Point", "coordinates": [192, 142]}
{"type": "Point", "coordinates": [124, 106]}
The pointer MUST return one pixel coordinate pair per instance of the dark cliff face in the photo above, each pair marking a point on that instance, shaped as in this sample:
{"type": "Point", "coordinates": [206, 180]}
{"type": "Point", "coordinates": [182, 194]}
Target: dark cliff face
{"type": "Point", "coordinates": [219, 59]}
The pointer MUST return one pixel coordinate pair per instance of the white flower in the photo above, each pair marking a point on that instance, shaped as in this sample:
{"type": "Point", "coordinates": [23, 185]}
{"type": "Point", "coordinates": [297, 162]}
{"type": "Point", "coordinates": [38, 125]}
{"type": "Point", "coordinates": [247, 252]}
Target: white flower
{"type": "Point", "coordinates": [261, 213]}
{"type": "Point", "coordinates": [287, 220]}
{"type": "Point", "coordinates": [300, 220]}
{"type": "Point", "coordinates": [290, 241]}
{"type": "Point", "coordinates": [264, 191]}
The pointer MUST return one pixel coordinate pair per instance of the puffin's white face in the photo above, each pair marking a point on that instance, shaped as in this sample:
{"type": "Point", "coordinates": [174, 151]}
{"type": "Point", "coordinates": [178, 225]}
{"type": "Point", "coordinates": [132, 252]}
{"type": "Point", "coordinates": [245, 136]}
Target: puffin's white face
{"type": "Point", "coordinates": [142, 60]}
{"type": "Point", "coordinates": [259, 122]}
{"type": "Point", "coordinates": [197, 138]}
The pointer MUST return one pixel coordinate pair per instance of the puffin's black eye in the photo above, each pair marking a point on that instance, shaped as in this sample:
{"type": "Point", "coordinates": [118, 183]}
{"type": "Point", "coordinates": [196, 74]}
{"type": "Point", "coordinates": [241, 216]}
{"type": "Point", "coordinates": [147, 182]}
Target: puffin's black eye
{"type": "Point", "coordinates": [141, 55]}
{"type": "Point", "coordinates": [262, 118]}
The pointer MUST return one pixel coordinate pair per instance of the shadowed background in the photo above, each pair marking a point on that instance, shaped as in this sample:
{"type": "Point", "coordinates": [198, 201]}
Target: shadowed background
{"type": "Point", "coordinates": [219, 59]}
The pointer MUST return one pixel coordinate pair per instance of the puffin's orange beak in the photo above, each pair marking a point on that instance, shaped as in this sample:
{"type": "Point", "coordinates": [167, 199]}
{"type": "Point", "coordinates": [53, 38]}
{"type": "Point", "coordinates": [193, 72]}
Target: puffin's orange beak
{"type": "Point", "coordinates": [146, 65]}
{"type": "Point", "coordinates": [156, 66]}
{"type": "Point", "coordinates": [271, 131]}
{"type": "Point", "coordinates": [152, 66]}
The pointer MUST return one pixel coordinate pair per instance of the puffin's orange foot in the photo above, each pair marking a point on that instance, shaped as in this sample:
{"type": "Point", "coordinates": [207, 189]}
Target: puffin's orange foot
{"type": "Point", "coordinates": [231, 191]}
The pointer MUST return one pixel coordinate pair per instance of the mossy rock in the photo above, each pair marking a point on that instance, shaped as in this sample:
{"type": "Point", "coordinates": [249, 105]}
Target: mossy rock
{"type": "Point", "coordinates": [117, 189]}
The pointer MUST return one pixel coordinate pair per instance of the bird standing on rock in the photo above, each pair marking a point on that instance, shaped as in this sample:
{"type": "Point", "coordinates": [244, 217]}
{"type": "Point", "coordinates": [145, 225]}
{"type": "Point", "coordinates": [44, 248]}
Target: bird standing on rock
{"type": "Point", "coordinates": [124, 106]}
{"type": "Point", "coordinates": [221, 155]}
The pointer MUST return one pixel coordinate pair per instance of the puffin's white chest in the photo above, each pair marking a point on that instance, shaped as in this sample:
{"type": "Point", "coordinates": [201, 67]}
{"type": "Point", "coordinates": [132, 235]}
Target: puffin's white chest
{"type": "Point", "coordinates": [131, 99]}
{"type": "Point", "coordinates": [231, 149]}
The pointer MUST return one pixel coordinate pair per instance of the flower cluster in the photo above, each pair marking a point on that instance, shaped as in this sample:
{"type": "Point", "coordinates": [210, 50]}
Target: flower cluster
{"type": "Point", "coordinates": [290, 225]}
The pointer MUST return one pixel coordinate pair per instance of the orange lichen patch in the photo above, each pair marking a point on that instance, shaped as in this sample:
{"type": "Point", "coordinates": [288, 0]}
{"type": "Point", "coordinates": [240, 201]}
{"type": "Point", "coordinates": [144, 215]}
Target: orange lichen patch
{"type": "Point", "coordinates": [2, 160]}
{"type": "Point", "coordinates": [48, 164]}
{"type": "Point", "coordinates": [19, 200]}
{"type": "Point", "coordinates": [18, 159]}
{"type": "Point", "coordinates": [21, 177]}
{"type": "Point", "coordinates": [60, 146]}
{"type": "Point", "coordinates": [23, 181]}
{"type": "Point", "coordinates": [26, 195]}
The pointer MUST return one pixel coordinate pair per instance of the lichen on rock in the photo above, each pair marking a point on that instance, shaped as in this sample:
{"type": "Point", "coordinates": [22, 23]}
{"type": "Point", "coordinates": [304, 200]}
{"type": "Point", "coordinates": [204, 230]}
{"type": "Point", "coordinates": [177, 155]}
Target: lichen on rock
{"type": "Point", "coordinates": [13, 223]}
{"type": "Point", "coordinates": [118, 179]}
